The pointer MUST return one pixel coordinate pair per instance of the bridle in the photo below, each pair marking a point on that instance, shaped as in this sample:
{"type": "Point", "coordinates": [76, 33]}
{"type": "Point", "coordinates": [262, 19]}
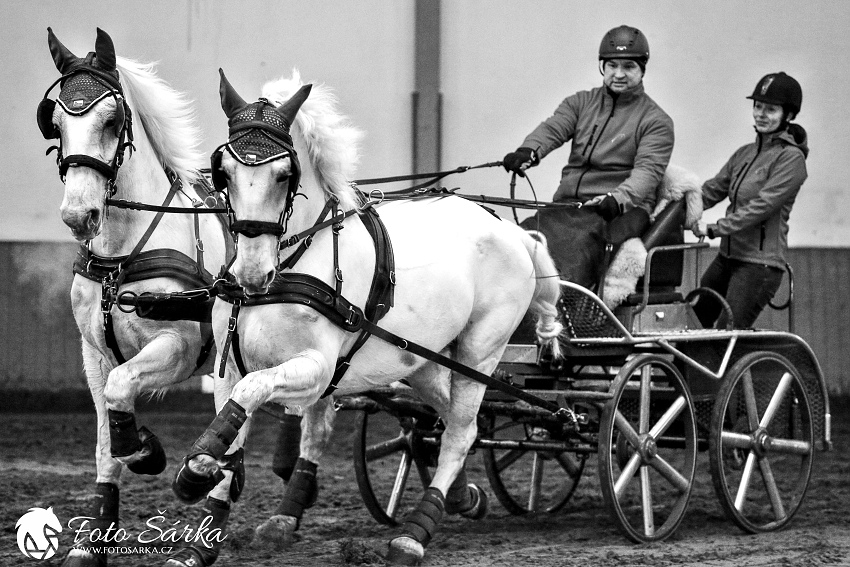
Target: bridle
{"type": "Point", "coordinates": [245, 133]}
{"type": "Point", "coordinates": [123, 123]}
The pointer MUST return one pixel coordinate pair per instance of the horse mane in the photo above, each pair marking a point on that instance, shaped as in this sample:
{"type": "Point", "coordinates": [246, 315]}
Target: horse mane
{"type": "Point", "coordinates": [167, 117]}
{"type": "Point", "coordinates": [333, 143]}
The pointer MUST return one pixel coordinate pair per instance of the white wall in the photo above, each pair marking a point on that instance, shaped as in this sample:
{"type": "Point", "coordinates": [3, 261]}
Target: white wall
{"type": "Point", "coordinates": [506, 65]}
{"type": "Point", "coordinates": [362, 49]}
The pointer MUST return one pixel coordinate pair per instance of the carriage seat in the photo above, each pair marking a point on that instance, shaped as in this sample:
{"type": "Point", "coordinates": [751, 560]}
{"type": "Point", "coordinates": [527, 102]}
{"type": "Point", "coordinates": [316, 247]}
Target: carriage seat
{"type": "Point", "coordinates": [666, 269]}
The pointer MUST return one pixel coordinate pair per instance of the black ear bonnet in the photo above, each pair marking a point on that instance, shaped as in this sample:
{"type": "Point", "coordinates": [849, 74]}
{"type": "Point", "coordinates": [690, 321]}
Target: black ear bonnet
{"type": "Point", "coordinates": [84, 83]}
{"type": "Point", "coordinates": [258, 134]}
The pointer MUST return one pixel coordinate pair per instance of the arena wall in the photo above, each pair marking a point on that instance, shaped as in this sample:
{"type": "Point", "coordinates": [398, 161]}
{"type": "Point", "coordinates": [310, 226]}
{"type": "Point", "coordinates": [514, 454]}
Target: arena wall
{"type": "Point", "coordinates": [40, 344]}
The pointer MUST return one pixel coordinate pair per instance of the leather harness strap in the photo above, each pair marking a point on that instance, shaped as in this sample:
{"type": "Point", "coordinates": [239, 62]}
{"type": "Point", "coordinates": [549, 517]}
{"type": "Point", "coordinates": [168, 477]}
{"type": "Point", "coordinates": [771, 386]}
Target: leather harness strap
{"type": "Point", "coordinates": [112, 272]}
{"type": "Point", "coordinates": [310, 291]}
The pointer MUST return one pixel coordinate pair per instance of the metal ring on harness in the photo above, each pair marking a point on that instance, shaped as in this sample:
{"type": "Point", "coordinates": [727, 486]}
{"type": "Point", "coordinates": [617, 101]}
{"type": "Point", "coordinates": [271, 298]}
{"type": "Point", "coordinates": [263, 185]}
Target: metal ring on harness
{"type": "Point", "coordinates": [372, 199]}
{"type": "Point", "coordinates": [131, 302]}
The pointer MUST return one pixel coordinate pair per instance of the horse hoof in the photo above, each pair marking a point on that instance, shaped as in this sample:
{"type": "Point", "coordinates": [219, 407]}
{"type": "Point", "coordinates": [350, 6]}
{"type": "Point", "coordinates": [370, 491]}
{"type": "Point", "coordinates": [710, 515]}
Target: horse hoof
{"type": "Point", "coordinates": [278, 532]}
{"type": "Point", "coordinates": [479, 506]}
{"type": "Point", "coordinates": [80, 558]}
{"type": "Point", "coordinates": [405, 550]}
{"type": "Point", "coordinates": [153, 462]}
{"type": "Point", "coordinates": [190, 557]}
{"type": "Point", "coordinates": [191, 487]}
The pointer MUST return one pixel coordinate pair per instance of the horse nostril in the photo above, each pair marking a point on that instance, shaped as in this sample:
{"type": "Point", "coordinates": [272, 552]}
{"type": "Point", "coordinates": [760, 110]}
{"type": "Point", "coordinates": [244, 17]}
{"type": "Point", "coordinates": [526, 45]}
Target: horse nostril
{"type": "Point", "coordinates": [94, 217]}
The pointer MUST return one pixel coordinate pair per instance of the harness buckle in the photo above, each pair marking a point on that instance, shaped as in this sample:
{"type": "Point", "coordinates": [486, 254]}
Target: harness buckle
{"type": "Point", "coordinates": [338, 274]}
{"type": "Point", "coordinates": [199, 244]}
{"type": "Point", "coordinates": [231, 324]}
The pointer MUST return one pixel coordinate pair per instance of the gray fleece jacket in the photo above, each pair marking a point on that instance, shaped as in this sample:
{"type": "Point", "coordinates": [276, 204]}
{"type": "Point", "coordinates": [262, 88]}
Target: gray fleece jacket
{"type": "Point", "coordinates": [762, 180]}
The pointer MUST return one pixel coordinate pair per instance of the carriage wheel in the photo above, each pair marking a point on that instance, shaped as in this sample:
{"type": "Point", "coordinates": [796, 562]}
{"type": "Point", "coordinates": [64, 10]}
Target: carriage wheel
{"type": "Point", "coordinates": [761, 443]}
{"type": "Point", "coordinates": [384, 456]}
{"type": "Point", "coordinates": [526, 480]}
{"type": "Point", "coordinates": [648, 449]}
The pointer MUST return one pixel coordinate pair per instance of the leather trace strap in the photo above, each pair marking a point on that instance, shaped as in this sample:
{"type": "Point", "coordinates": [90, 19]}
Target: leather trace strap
{"type": "Point", "coordinates": [308, 290]}
{"type": "Point", "coordinates": [137, 266]}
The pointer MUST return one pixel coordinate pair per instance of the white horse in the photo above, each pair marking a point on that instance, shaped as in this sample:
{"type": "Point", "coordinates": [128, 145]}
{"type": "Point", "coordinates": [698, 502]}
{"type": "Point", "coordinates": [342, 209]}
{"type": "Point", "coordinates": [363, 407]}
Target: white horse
{"type": "Point", "coordinates": [463, 279]}
{"type": "Point", "coordinates": [106, 102]}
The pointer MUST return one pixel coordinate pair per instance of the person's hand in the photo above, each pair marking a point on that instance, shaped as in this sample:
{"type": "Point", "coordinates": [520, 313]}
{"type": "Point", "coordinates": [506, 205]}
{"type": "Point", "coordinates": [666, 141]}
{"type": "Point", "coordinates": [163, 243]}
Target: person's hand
{"type": "Point", "coordinates": [606, 205]}
{"type": "Point", "coordinates": [700, 229]}
{"type": "Point", "coordinates": [519, 160]}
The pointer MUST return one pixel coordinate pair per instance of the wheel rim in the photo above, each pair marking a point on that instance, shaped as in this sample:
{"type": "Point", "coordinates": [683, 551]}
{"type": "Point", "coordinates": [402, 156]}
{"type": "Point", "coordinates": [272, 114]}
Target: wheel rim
{"type": "Point", "coordinates": [527, 481]}
{"type": "Point", "coordinates": [647, 478]}
{"type": "Point", "coordinates": [762, 442]}
{"type": "Point", "coordinates": [385, 456]}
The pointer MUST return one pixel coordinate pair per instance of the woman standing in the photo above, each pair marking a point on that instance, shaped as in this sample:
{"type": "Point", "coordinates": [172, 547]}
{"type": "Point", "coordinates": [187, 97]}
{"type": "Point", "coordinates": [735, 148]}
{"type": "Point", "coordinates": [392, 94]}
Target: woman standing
{"type": "Point", "coordinates": [762, 180]}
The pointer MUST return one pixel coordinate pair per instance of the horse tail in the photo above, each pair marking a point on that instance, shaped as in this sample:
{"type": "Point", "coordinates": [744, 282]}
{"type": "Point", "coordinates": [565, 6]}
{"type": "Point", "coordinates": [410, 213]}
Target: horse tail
{"type": "Point", "coordinates": [547, 290]}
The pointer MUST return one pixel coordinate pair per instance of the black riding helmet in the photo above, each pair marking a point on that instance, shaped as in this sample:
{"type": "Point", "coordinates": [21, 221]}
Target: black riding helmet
{"type": "Point", "coordinates": [779, 89]}
{"type": "Point", "coordinates": [625, 42]}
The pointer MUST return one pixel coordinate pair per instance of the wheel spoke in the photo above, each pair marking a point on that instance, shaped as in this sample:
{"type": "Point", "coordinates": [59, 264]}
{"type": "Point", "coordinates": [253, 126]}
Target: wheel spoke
{"type": "Point", "coordinates": [741, 497]}
{"type": "Point", "coordinates": [645, 390]}
{"type": "Point", "coordinates": [381, 450]}
{"type": "Point", "coordinates": [508, 459]}
{"type": "Point", "coordinates": [626, 476]}
{"type": "Point", "coordinates": [675, 409]}
{"type": "Point", "coordinates": [626, 429]}
{"type": "Point", "coordinates": [568, 464]}
{"type": "Point", "coordinates": [772, 489]}
{"type": "Point", "coordinates": [646, 502]}
{"type": "Point", "coordinates": [673, 476]}
{"type": "Point", "coordinates": [399, 484]}
{"type": "Point", "coordinates": [776, 400]}
{"type": "Point", "coordinates": [536, 481]}
{"type": "Point", "coordinates": [750, 400]}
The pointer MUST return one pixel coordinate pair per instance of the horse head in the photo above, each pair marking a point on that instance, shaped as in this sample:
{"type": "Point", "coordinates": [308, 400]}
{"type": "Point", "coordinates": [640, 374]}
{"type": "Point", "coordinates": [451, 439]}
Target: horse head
{"type": "Point", "coordinates": [260, 169]}
{"type": "Point", "coordinates": [91, 119]}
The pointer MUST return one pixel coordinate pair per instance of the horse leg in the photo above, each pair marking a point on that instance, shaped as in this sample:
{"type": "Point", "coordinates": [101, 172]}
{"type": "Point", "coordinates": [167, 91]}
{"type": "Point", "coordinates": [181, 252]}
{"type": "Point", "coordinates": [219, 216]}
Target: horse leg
{"type": "Point", "coordinates": [287, 449]}
{"type": "Point", "coordinates": [104, 511]}
{"type": "Point", "coordinates": [302, 489]}
{"type": "Point", "coordinates": [480, 347]}
{"type": "Point", "coordinates": [162, 362]}
{"type": "Point", "coordinates": [216, 510]}
{"type": "Point", "coordinates": [297, 382]}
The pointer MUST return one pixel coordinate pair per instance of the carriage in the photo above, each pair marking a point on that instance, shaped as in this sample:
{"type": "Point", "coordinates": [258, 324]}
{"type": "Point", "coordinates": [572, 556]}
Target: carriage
{"type": "Point", "coordinates": [647, 388]}
{"type": "Point", "coordinates": [641, 384]}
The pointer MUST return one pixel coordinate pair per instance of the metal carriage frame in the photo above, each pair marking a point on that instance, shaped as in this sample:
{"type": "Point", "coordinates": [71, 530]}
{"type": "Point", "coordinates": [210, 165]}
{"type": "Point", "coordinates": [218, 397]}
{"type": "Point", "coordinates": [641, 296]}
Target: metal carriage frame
{"type": "Point", "coordinates": [648, 388]}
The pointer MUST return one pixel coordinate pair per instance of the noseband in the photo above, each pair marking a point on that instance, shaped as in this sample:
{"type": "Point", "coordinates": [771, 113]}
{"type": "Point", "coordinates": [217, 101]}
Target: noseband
{"type": "Point", "coordinates": [257, 135]}
{"type": "Point", "coordinates": [91, 85]}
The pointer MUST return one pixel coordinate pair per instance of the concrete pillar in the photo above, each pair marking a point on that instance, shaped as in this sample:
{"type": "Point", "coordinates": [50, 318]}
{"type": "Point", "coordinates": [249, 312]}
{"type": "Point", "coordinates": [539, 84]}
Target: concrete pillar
{"type": "Point", "coordinates": [427, 111]}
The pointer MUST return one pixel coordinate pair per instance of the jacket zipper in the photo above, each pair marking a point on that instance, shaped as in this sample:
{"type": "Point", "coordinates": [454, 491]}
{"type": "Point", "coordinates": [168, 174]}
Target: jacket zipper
{"type": "Point", "coordinates": [737, 186]}
{"type": "Point", "coordinates": [591, 143]}
{"type": "Point", "coordinates": [761, 242]}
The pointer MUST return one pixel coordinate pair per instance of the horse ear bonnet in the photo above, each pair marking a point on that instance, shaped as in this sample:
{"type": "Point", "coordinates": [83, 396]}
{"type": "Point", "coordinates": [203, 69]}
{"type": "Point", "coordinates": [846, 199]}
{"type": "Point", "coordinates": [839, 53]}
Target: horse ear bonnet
{"type": "Point", "coordinates": [258, 133]}
{"type": "Point", "coordinates": [84, 83]}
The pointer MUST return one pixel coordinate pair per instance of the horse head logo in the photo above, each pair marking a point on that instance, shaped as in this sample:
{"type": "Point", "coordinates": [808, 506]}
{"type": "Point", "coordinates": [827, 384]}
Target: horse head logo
{"type": "Point", "coordinates": [38, 533]}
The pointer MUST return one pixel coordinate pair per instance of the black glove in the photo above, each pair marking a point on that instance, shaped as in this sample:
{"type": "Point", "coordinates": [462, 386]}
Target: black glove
{"type": "Point", "coordinates": [515, 160]}
{"type": "Point", "coordinates": [608, 209]}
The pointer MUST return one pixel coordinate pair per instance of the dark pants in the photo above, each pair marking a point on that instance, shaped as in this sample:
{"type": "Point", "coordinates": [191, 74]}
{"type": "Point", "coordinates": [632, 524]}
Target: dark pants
{"type": "Point", "coordinates": [747, 288]}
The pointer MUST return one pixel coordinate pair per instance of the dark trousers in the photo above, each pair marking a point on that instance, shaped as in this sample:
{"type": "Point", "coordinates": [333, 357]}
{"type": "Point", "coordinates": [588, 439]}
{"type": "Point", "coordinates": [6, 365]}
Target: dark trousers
{"type": "Point", "coordinates": [747, 288]}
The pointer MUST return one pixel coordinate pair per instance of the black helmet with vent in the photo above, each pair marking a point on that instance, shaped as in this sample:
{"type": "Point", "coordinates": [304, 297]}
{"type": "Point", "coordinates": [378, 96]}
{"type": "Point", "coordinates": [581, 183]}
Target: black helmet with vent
{"type": "Point", "coordinates": [624, 42]}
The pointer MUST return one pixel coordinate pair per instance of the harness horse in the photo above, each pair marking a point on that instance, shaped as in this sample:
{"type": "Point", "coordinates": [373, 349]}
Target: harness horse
{"type": "Point", "coordinates": [312, 285]}
{"type": "Point", "coordinates": [122, 132]}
